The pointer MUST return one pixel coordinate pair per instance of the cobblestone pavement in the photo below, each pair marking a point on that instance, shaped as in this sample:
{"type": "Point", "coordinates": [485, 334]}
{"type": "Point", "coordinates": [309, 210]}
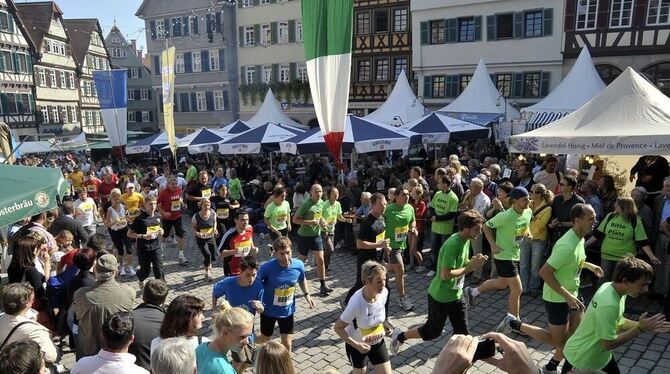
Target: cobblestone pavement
{"type": "Point", "coordinates": [317, 347]}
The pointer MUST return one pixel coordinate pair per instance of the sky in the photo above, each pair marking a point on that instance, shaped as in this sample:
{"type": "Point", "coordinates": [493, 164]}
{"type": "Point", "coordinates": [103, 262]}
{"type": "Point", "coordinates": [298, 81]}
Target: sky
{"type": "Point", "coordinates": [106, 11]}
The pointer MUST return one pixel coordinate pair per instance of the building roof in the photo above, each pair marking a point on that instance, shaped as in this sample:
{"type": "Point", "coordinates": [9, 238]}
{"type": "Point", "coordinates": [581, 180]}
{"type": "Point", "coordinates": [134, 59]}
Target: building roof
{"type": "Point", "coordinates": [79, 31]}
{"type": "Point", "coordinates": [35, 16]}
{"type": "Point", "coordinates": [21, 25]}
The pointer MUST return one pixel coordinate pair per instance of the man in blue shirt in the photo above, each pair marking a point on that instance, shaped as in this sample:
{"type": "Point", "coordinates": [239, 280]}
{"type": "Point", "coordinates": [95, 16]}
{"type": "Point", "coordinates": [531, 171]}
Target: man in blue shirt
{"type": "Point", "coordinates": [279, 277]}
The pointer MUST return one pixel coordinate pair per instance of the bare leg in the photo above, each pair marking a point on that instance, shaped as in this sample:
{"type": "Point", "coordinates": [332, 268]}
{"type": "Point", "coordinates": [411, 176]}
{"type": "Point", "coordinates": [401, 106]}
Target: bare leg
{"type": "Point", "coordinates": [320, 265]}
{"type": "Point", "coordinates": [514, 299]}
{"type": "Point", "coordinates": [287, 341]}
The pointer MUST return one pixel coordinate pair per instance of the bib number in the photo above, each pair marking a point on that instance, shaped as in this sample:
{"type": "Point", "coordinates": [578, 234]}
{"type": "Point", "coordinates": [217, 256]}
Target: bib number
{"type": "Point", "coordinates": [222, 213]}
{"type": "Point", "coordinates": [90, 188]}
{"type": "Point", "coordinates": [243, 249]}
{"type": "Point", "coordinates": [281, 218]}
{"type": "Point", "coordinates": [372, 335]}
{"type": "Point", "coordinates": [401, 233]}
{"type": "Point", "coordinates": [460, 282]}
{"type": "Point", "coordinates": [152, 231]}
{"type": "Point", "coordinates": [379, 237]}
{"type": "Point", "coordinates": [175, 205]}
{"type": "Point", "coordinates": [206, 233]}
{"type": "Point", "coordinates": [317, 215]}
{"type": "Point", "coordinates": [284, 296]}
{"type": "Point", "coordinates": [206, 193]}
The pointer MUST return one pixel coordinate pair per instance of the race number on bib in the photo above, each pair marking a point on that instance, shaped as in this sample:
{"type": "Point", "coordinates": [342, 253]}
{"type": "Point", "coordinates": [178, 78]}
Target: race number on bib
{"type": "Point", "coordinates": [206, 233]}
{"type": "Point", "coordinates": [317, 215]}
{"type": "Point", "coordinates": [401, 233]}
{"type": "Point", "coordinates": [175, 205]}
{"type": "Point", "coordinates": [222, 213]}
{"type": "Point", "coordinates": [152, 231]}
{"type": "Point", "coordinates": [379, 237]}
{"type": "Point", "coordinates": [91, 188]}
{"type": "Point", "coordinates": [281, 218]}
{"type": "Point", "coordinates": [372, 335]}
{"type": "Point", "coordinates": [284, 296]}
{"type": "Point", "coordinates": [242, 249]}
{"type": "Point", "coordinates": [206, 193]}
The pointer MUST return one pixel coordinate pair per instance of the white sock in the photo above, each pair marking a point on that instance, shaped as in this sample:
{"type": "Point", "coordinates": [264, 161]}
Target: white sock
{"type": "Point", "coordinates": [475, 292]}
{"type": "Point", "coordinates": [181, 254]}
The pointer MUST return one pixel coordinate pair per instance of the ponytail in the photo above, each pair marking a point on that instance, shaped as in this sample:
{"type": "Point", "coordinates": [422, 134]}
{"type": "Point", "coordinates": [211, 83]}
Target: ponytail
{"type": "Point", "coordinates": [231, 317]}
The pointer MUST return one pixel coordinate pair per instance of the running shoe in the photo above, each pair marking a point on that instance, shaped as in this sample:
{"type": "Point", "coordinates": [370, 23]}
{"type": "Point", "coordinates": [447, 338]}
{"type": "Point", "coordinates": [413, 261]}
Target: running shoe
{"type": "Point", "coordinates": [405, 304]}
{"type": "Point", "coordinates": [327, 289]}
{"type": "Point", "coordinates": [388, 326]}
{"type": "Point", "coordinates": [430, 274]}
{"type": "Point", "coordinates": [469, 297]}
{"type": "Point", "coordinates": [183, 261]}
{"type": "Point", "coordinates": [130, 271]}
{"type": "Point", "coordinates": [547, 371]}
{"type": "Point", "coordinates": [395, 343]}
{"type": "Point", "coordinates": [505, 326]}
{"type": "Point", "coordinates": [419, 269]}
{"type": "Point", "coordinates": [323, 291]}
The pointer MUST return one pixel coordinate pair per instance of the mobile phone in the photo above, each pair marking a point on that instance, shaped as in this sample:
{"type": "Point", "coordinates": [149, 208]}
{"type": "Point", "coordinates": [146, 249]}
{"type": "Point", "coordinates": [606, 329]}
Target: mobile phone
{"type": "Point", "coordinates": [485, 348]}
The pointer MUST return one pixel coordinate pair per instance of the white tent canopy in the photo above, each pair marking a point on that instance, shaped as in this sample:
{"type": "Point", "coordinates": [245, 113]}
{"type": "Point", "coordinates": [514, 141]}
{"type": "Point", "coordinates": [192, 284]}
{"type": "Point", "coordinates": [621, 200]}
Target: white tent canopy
{"type": "Point", "coordinates": [629, 117]}
{"type": "Point", "coordinates": [481, 96]}
{"type": "Point", "coordinates": [578, 87]}
{"type": "Point", "coordinates": [401, 107]}
{"type": "Point", "coordinates": [270, 111]}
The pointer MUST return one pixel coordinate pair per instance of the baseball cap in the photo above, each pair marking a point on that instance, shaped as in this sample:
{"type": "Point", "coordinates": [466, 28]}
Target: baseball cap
{"type": "Point", "coordinates": [518, 192]}
{"type": "Point", "coordinates": [106, 264]}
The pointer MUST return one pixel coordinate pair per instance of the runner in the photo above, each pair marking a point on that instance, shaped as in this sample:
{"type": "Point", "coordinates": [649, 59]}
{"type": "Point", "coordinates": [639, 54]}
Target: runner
{"type": "Point", "coordinates": [511, 226]}
{"type": "Point", "coordinates": [446, 289]}
{"type": "Point", "coordinates": [244, 291]}
{"type": "Point", "coordinates": [309, 217]}
{"type": "Point", "coordinates": [204, 229]}
{"type": "Point", "coordinates": [279, 277]}
{"type": "Point", "coordinates": [361, 323]}
{"type": "Point", "coordinates": [235, 185]}
{"type": "Point", "coordinates": [443, 212]}
{"type": "Point", "coordinates": [117, 226]}
{"type": "Point", "coordinates": [146, 228]}
{"type": "Point", "coordinates": [133, 201]}
{"type": "Point", "coordinates": [92, 185]}
{"type": "Point", "coordinates": [199, 190]}
{"type": "Point", "coordinates": [277, 213]}
{"type": "Point", "coordinates": [416, 242]}
{"type": "Point", "coordinates": [400, 222]}
{"type": "Point", "coordinates": [225, 210]}
{"type": "Point", "coordinates": [604, 327]}
{"type": "Point", "coordinates": [170, 206]}
{"type": "Point", "coordinates": [237, 243]}
{"type": "Point", "coordinates": [332, 213]}
{"type": "Point", "coordinates": [86, 212]}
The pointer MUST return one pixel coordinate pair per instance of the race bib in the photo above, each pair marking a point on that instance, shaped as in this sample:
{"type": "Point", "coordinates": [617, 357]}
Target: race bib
{"type": "Point", "coordinates": [90, 188]}
{"type": "Point", "coordinates": [380, 185]}
{"type": "Point", "coordinates": [86, 207]}
{"type": "Point", "coordinates": [242, 249]}
{"type": "Point", "coordinates": [222, 213]}
{"type": "Point", "coordinates": [206, 233]}
{"type": "Point", "coordinates": [284, 296]}
{"type": "Point", "coordinates": [379, 237]}
{"type": "Point", "coordinates": [281, 218]}
{"type": "Point", "coordinates": [152, 231]}
{"type": "Point", "coordinates": [206, 193]}
{"type": "Point", "coordinates": [175, 205]}
{"type": "Point", "coordinates": [121, 222]}
{"type": "Point", "coordinates": [401, 233]}
{"type": "Point", "coordinates": [372, 335]}
{"type": "Point", "coordinates": [317, 215]}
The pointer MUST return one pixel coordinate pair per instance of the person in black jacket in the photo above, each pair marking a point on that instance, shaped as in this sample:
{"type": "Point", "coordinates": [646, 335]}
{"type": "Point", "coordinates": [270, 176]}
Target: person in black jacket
{"type": "Point", "coordinates": [66, 221]}
{"type": "Point", "coordinates": [148, 318]}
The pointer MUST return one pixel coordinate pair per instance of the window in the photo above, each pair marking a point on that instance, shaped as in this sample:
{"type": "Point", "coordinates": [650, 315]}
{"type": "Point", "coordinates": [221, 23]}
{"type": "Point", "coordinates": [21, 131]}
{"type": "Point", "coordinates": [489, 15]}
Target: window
{"type": "Point", "coordinates": [621, 13]}
{"type": "Point", "coordinates": [197, 62]}
{"type": "Point", "coordinates": [116, 40]}
{"type": "Point", "coordinates": [249, 36]}
{"type": "Point", "coordinates": [160, 29]}
{"type": "Point", "coordinates": [266, 34]}
{"type": "Point", "coordinates": [400, 19]}
{"type": "Point", "coordinates": [364, 70]}
{"type": "Point", "coordinates": [179, 63]}
{"type": "Point", "coordinates": [42, 76]}
{"type": "Point", "coordinates": [73, 114]}
{"type": "Point", "coordinates": [466, 29]}
{"type": "Point", "coordinates": [250, 74]}
{"type": "Point", "coordinates": [144, 94]}
{"type": "Point", "coordinates": [70, 81]}
{"type": "Point", "coordinates": [267, 74]}
{"type": "Point", "coordinates": [659, 74]}
{"type": "Point", "coordinates": [145, 117]}
{"type": "Point", "coordinates": [63, 80]}
{"type": "Point", "coordinates": [22, 66]}
{"type": "Point", "coordinates": [134, 73]}
{"type": "Point", "coordinates": [437, 32]}
{"type": "Point", "coordinates": [298, 31]}
{"type": "Point", "coordinates": [382, 70]}
{"type": "Point", "coordinates": [54, 114]}
{"type": "Point", "coordinates": [116, 53]}
{"type": "Point", "coordinates": [63, 113]}
{"type": "Point", "coordinates": [363, 23]}
{"type": "Point", "coordinates": [7, 60]}
{"type": "Point", "coordinates": [11, 104]}
{"type": "Point", "coordinates": [247, 3]}
{"type": "Point", "coordinates": [381, 21]}
{"type": "Point", "coordinates": [4, 21]}
{"type": "Point", "coordinates": [399, 64]}
{"type": "Point", "coordinates": [214, 59]}
{"type": "Point", "coordinates": [124, 54]}
{"type": "Point", "coordinates": [88, 115]}
{"type": "Point", "coordinates": [45, 114]}
{"type": "Point", "coordinates": [587, 11]}
{"type": "Point", "coordinates": [533, 25]}
{"type": "Point", "coordinates": [264, 2]}
{"type": "Point", "coordinates": [218, 100]}
{"type": "Point", "coordinates": [284, 76]}
{"type": "Point", "coordinates": [504, 84]}
{"type": "Point", "coordinates": [283, 32]}
{"type": "Point", "coordinates": [657, 13]}
{"type": "Point", "coordinates": [463, 81]}
{"type": "Point", "coordinates": [131, 116]}
{"type": "Point", "coordinates": [439, 85]}
{"type": "Point", "coordinates": [531, 84]}
{"type": "Point", "coordinates": [176, 26]}
{"type": "Point", "coordinates": [131, 94]}
{"type": "Point", "coordinates": [52, 78]}
{"type": "Point", "coordinates": [504, 26]}
{"type": "Point", "coordinates": [87, 88]}
{"type": "Point", "coordinates": [201, 101]}
{"type": "Point", "coordinates": [608, 73]}
{"type": "Point", "coordinates": [302, 74]}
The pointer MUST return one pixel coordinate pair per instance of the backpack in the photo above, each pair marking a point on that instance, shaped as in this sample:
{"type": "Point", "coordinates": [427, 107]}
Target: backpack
{"type": "Point", "coordinates": [57, 285]}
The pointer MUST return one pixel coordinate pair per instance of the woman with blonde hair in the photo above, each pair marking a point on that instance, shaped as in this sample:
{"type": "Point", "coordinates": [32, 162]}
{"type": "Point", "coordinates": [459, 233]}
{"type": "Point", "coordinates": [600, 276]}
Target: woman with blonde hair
{"type": "Point", "coordinates": [117, 226]}
{"type": "Point", "coordinates": [232, 326]}
{"type": "Point", "coordinates": [274, 358]}
{"type": "Point", "coordinates": [532, 251]}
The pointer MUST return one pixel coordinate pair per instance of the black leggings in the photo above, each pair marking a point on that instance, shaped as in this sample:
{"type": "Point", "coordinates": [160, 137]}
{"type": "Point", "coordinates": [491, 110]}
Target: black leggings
{"type": "Point", "coordinates": [121, 241]}
{"type": "Point", "coordinates": [361, 258]}
{"type": "Point", "coordinates": [208, 249]}
{"type": "Point", "coordinates": [149, 259]}
{"type": "Point", "coordinates": [610, 368]}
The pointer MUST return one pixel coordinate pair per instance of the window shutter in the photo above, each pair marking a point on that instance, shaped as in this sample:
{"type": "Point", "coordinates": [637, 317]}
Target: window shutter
{"type": "Point", "coordinates": [188, 66]}
{"type": "Point", "coordinates": [544, 83]}
{"type": "Point", "coordinates": [243, 77]}
{"type": "Point", "coordinates": [240, 36]}
{"type": "Point", "coordinates": [183, 102]}
{"type": "Point", "coordinates": [424, 33]}
{"type": "Point", "coordinates": [196, 24]}
{"type": "Point", "coordinates": [570, 9]}
{"type": "Point", "coordinates": [166, 27]}
{"type": "Point", "coordinates": [128, 72]}
{"type": "Point", "coordinates": [292, 71]}
{"type": "Point", "coordinates": [451, 85]}
{"type": "Point", "coordinates": [139, 72]}
{"type": "Point", "coordinates": [478, 28]}
{"type": "Point", "coordinates": [493, 79]}
{"type": "Point", "coordinates": [517, 84]}
{"type": "Point", "coordinates": [10, 23]}
{"type": "Point", "coordinates": [176, 26]}
{"type": "Point", "coordinates": [209, 98]}
{"type": "Point", "coordinates": [274, 31]}
{"type": "Point", "coordinates": [149, 93]}
{"type": "Point", "coordinates": [151, 116]}
{"type": "Point", "coordinates": [427, 87]}
{"type": "Point", "coordinates": [194, 103]}
{"type": "Point", "coordinates": [136, 94]}
{"type": "Point", "coordinates": [204, 60]}
{"type": "Point", "coordinates": [222, 59]}
{"type": "Point", "coordinates": [490, 28]}
{"type": "Point", "coordinates": [2, 65]}
{"type": "Point", "coordinates": [257, 76]}
{"type": "Point", "coordinates": [138, 116]}
{"type": "Point", "coordinates": [275, 73]}
{"type": "Point", "coordinates": [152, 29]}
{"type": "Point", "coordinates": [160, 103]}
{"type": "Point", "coordinates": [31, 101]}
{"type": "Point", "coordinates": [257, 34]}
{"type": "Point", "coordinates": [255, 2]}
{"type": "Point", "coordinates": [225, 100]}
{"type": "Point", "coordinates": [291, 31]}
{"type": "Point", "coordinates": [184, 25]}
{"type": "Point", "coordinates": [217, 20]}
{"type": "Point", "coordinates": [15, 58]}
{"type": "Point", "coordinates": [518, 25]}
{"type": "Point", "coordinates": [17, 99]}
{"type": "Point", "coordinates": [157, 65]}
{"type": "Point", "coordinates": [547, 21]}
{"type": "Point", "coordinates": [451, 30]}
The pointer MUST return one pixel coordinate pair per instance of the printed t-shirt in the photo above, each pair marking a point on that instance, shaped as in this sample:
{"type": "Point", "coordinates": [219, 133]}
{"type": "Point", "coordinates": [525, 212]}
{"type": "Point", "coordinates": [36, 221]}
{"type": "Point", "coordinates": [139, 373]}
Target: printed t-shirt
{"type": "Point", "coordinates": [444, 203]}
{"type": "Point", "coordinates": [453, 255]}
{"type": "Point", "coordinates": [330, 213]}
{"type": "Point", "coordinates": [278, 215]}
{"type": "Point", "coordinates": [241, 243]}
{"type": "Point", "coordinates": [510, 228]}
{"type": "Point", "coordinates": [310, 210]}
{"type": "Point", "coordinates": [398, 221]}
{"type": "Point", "coordinates": [86, 211]}
{"type": "Point", "coordinates": [279, 285]}
{"type": "Point", "coordinates": [619, 241]}
{"type": "Point", "coordinates": [567, 258]}
{"type": "Point", "coordinates": [602, 320]}
{"type": "Point", "coordinates": [369, 317]}
{"type": "Point", "coordinates": [92, 185]}
{"type": "Point", "coordinates": [239, 296]}
{"type": "Point", "coordinates": [170, 201]}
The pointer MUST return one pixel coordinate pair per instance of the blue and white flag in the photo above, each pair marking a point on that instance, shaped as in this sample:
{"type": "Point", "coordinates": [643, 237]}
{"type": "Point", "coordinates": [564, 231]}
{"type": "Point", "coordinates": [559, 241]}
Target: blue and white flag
{"type": "Point", "coordinates": [113, 96]}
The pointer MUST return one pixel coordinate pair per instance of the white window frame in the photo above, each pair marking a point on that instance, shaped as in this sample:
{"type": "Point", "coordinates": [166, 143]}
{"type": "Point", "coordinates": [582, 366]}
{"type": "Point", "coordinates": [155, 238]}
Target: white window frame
{"type": "Point", "coordinates": [45, 114]}
{"type": "Point", "coordinates": [52, 78]}
{"type": "Point", "coordinates": [266, 34]}
{"type": "Point", "coordinates": [249, 37]}
{"type": "Point", "coordinates": [617, 14]}
{"type": "Point", "coordinates": [116, 53]}
{"type": "Point", "coordinates": [179, 66]}
{"type": "Point", "coordinates": [250, 74]}
{"type": "Point", "coordinates": [145, 116]}
{"type": "Point", "coordinates": [61, 49]}
{"type": "Point", "coordinates": [87, 88]}
{"type": "Point", "coordinates": [214, 59]}
{"type": "Point", "coordinates": [298, 30]}
{"type": "Point", "coordinates": [201, 101]}
{"type": "Point", "coordinates": [267, 74]}
{"type": "Point", "coordinates": [41, 73]}
{"type": "Point", "coordinates": [63, 80]}
{"type": "Point", "coordinates": [196, 60]}
{"type": "Point", "coordinates": [134, 73]}
{"type": "Point", "coordinates": [73, 114]}
{"type": "Point", "coordinates": [54, 114]}
{"type": "Point", "coordinates": [302, 74]}
{"type": "Point", "coordinates": [284, 74]}
{"type": "Point", "coordinates": [657, 12]}
{"type": "Point", "coordinates": [160, 29]}
{"type": "Point", "coordinates": [587, 15]}
{"type": "Point", "coordinates": [71, 80]}
{"type": "Point", "coordinates": [131, 95]}
{"type": "Point", "coordinates": [131, 116]}
{"type": "Point", "coordinates": [218, 101]}
{"type": "Point", "coordinates": [247, 3]}
{"type": "Point", "coordinates": [88, 117]}
{"type": "Point", "coordinates": [191, 25]}
{"type": "Point", "coordinates": [124, 53]}
{"type": "Point", "coordinates": [282, 38]}
{"type": "Point", "coordinates": [144, 94]}
{"type": "Point", "coordinates": [63, 113]}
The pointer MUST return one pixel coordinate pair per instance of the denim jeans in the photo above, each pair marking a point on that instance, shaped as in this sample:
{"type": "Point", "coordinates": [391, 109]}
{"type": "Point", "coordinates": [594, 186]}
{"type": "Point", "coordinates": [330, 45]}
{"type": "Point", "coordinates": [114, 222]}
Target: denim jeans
{"type": "Point", "coordinates": [608, 271]}
{"type": "Point", "coordinates": [532, 257]}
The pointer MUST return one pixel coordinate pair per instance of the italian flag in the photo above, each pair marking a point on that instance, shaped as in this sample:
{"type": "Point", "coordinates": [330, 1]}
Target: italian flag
{"type": "Point", "coordinates": [327, 33]}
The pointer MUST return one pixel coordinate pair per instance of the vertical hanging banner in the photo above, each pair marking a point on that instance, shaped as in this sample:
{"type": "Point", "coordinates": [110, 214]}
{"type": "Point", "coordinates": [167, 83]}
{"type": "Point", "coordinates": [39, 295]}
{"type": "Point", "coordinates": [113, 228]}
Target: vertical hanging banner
{"type": "Point", "coordinates": [167, 70]}
{"type": "Point", "coordinates": [327, 32]}
{"type": "Point", "coordinates": [112, 87]}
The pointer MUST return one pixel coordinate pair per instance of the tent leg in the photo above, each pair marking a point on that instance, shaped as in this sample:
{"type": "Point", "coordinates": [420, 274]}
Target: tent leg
{"type": "Point", "coordinates": [270, 165]}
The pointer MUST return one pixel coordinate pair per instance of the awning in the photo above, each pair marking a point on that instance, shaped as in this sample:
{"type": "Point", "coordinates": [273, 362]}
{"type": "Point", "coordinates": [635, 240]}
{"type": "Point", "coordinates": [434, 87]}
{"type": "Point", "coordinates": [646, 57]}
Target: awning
{"type": "Point", "coordinates": [540, 119]}
{"type": "Point", "coordinates": [481, 119]}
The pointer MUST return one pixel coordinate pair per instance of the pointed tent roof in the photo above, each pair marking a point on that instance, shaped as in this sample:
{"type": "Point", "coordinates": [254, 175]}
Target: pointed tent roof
{"type": "Point", "coordinates": [34, 16]}
{"type": "Point", "coordinates": [270, 111]}
{"type": "Point", "coordinates": [480, 97]}
{"type": "Point", "coordinates": [436, 128]}
{"type": "Point", "coordinates": [631, 116]}
{"type": "Point", "coordinates": [401, 103]}
{"type": "Point", "coordinates": [578, 87]}
{"type": "Point", "coordinates": [236, 127]}
{"type": "Point", "coordinates": [268, 135]}
{"type": "Point", "coordinates": [79, 31]}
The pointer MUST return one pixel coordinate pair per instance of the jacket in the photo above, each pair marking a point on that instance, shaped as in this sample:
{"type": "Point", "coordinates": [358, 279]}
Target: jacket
{"type": "Point", "coordinates": [68, 223]}
{"type": "Point", "coordinates": [32, 331]}
{"type": "Point", "coordinates": [148, 319]}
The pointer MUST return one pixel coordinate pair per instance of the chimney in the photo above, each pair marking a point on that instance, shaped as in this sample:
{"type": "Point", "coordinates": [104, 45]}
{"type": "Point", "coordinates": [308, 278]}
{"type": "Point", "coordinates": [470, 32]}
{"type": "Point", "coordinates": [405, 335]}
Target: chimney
{"type": "Point", "coordinates": [133, 45]}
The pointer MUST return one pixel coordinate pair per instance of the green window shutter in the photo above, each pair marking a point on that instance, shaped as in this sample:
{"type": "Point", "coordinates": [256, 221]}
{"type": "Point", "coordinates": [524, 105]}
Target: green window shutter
{"type": "Point", "coordinates": [490, 28]}
{"type": "Point", "coordinates": [451, 30]}
{"type": "Point", "coordinates": [292, 71]}
{"type": "Point", "coordinates": [275, 73]}
{"type": "Point", "coordinates": [31, 101]}
{"type": "Point", "coordinates": [518, 25]}
{"type": "Point", "coordinates": [547, 21]}
{"type": "Point", "coordinates": [259, 72]}
{"type": "Point", "coordinates": [240, 35]}
{"type": "Point", "coordinates": [424, 33]}
{"type": "Point", "coordinates": [239, 4]}
{"type": "Point", "coordinates": [15, 57]}
{"type": "Point", "coordinates": [274, 32]}
{"type": "Point", "coordinates": [29, 63]}
{"type": "Point", "coordinates": [544, 83]}
{"type": "Point", "coordinates": [257, 34]}
{"type": "Point", "coordinates": [2, 63]}
{"type": "Point", "coordinates": [256, 2]}
{"type": "Point", "coordinates": [517, 84]}
{"type": "Point", "coordinates": [10, 23]}
{"type": "Point", "coordinates": [3, 103]}
{"type": "Point", "coordinates": [291, 31]}
{"type": "Point", "coordinates": [427, 86]}
{"type": "Point", "coordinates": [478, 28]}
{"type": "Point", "coordinates": [19, 103]}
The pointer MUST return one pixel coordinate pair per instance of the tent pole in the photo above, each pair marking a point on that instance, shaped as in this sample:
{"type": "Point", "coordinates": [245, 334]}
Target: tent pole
{"type": "Point", "coordinates": [270, 165]}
